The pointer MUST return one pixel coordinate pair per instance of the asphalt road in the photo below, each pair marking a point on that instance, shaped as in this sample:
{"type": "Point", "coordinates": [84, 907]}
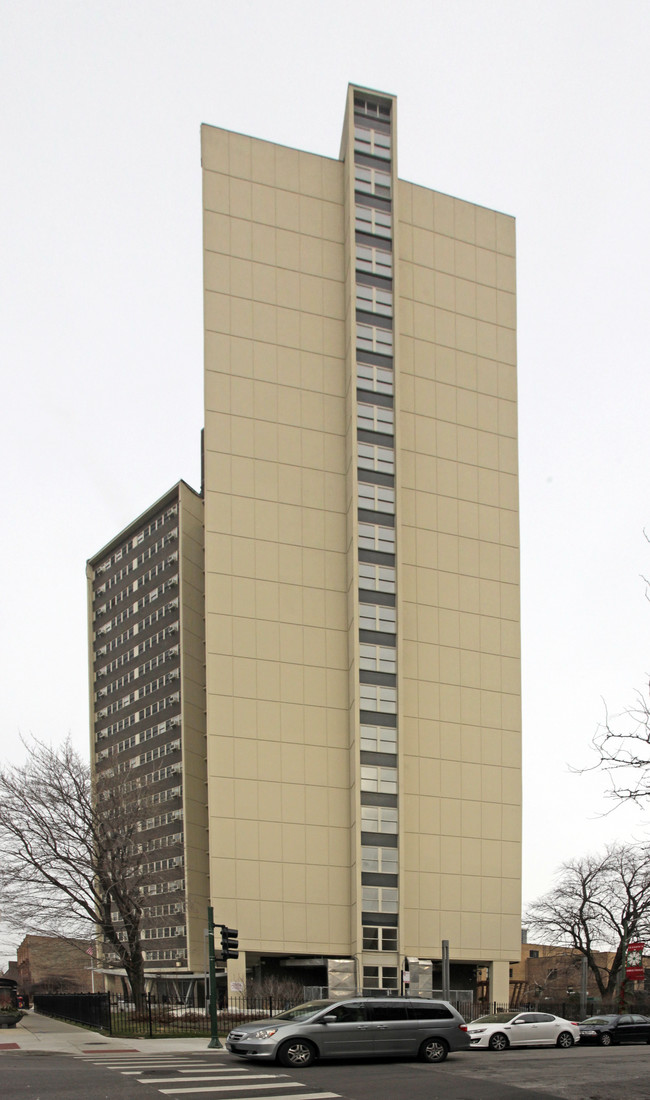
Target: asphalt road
{"type": "Point", "coordinates": [579, 1074]}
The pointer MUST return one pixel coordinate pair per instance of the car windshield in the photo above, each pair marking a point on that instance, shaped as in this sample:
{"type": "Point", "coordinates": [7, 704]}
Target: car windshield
{"type": "Point", "coordinates": [303, 1012]}
{"type": "Point", "coordinates": [495, 1018]}
{"type": "Point", "coordinates": [599, 1020]}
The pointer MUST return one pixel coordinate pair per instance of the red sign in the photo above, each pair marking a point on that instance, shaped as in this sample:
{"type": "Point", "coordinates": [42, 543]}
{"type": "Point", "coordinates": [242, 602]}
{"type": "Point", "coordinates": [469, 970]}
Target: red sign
{"type": "Point", "coordinates": [634, 962]}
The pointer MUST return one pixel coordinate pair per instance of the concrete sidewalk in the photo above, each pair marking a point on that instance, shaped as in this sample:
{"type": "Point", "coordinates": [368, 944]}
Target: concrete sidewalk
{"type": "Point", "coordinates": [42, 1033]}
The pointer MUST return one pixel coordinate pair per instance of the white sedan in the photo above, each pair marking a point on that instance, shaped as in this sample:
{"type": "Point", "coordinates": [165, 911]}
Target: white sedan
{"type": "Point", "coordinates": [518, 1029]}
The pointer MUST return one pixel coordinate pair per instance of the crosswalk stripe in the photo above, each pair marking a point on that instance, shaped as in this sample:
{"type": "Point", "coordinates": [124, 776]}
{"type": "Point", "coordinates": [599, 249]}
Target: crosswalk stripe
{"type": "Point", "coordinates": [183, 1067]}
{"type": "Point", "coordinates": [144, 1069]}
{"type": "Point", "coordinates": [138, 1062]}
{"type": "Point", "coordinates": [208, 1077]}
{"type": "Point", "coordinates": [216, 1073]}
{"type": "Point", "coordinates": [217, 1069]}
{"type": "Point", "coordinates": [284, 1095]}
{"type": "Point", "coordinates": [236, 1088]}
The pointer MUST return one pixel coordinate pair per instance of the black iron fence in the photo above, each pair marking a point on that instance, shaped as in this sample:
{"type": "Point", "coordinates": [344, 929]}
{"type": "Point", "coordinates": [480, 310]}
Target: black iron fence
{"type": "Point", "coordinates": [157, 1018]}
{"type": "Point", "coordinates": [152, 1018]}
{"type": "Point", "coordinates": [89, 1009]}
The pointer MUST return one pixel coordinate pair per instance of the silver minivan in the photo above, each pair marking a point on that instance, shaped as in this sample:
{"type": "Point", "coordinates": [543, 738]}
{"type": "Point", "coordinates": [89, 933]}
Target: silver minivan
{"type": "Point", "coordinates": [358, 1027]}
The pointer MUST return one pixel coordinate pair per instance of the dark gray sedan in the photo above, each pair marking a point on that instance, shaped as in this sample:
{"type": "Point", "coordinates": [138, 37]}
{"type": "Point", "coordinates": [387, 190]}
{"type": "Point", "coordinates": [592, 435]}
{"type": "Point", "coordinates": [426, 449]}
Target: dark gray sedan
{"type": "Point", "coordinates": [609, 1029]}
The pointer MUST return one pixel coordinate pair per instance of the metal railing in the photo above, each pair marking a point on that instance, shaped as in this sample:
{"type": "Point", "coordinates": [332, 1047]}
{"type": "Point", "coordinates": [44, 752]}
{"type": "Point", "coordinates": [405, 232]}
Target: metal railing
{"type": "Point", "coordinates": [152, 1018]}
{"type": "Point", "coordinates": [155, 1017]}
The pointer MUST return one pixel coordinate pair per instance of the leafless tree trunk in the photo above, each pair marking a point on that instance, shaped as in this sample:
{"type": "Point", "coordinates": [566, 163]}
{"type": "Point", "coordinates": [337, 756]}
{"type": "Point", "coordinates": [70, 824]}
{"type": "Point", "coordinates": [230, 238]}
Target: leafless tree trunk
{"type": "Point", "coordinates": [598, 903]}
{"type": "Point", "coordinates": [71, 863]}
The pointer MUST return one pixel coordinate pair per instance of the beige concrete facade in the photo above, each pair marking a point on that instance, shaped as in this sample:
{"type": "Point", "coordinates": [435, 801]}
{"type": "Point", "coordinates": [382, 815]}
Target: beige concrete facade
{"type": "Point", "coordinates": [297, 411]}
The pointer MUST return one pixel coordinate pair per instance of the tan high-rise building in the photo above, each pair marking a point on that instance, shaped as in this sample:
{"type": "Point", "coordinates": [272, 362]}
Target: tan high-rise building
{"type": "Point", "coordinates": [361, 565]}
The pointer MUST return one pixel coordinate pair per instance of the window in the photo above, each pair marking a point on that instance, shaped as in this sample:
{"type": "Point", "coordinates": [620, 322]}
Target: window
{"type": "Point", "coordinates": [533, 954]}
{"type": "Point", "coordinates": [373, 110]}
{"type": "Point", "coordinates": [371, 181]}
{"type": "Point", "coordinates": [388, 1010]}
{"type": "Point", "coordinates": [379, 860]}
{"type": "Point", "coordinates": [373, 537]}
{"type": "Point", "coordinates": [379, 899]}
{"type": "Point", "coordinates": [376, 578]}
{"type": "Point", "coordinates": [378, 697]}
{"type": "Point", "coordinates": [429, 1012]}
{"type": "Point", "coordinates": [375, 418]}
{"type": "Point", "coordinates": [381, 977]}
{"type": "Point", "coordinates": [379, 939]}
{"type": "Point", "coordinates": [377, 379]}
{"type": "Point", "coordinates": [374, 616]}
{"type": "Point", "coordinates": [378, 739]}
{"type": "Point", "coordinates": [379, 819]}
{"type": "Point", "coordinates": [378, 780]}
{"type": "Point", "coordinates": [372, 456]}
{"type": "Point", "coordinates": [348, 1014]}
{"type": "Point", "coordinates": [371, 338]}
{"type": "Point", "coordinates": [373, 143]}
{"type": "Point", "coordinates": [375, 300]}
{"type": "Point", "coordinates": [377, 498]}
{"type": "Point", "coordinates": [374, 261]}
{"type": "Point", "coordinates": [377, 658]}
{"type": "Point", "coordinates": [378, 223]}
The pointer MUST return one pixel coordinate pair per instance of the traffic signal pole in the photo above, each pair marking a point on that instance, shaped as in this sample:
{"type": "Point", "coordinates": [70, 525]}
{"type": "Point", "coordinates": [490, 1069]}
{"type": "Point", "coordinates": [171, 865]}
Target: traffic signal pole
{"type": "Point", "coordinates": [229, 945]}
{"type": "Point", "coordinates": [214, 1038]}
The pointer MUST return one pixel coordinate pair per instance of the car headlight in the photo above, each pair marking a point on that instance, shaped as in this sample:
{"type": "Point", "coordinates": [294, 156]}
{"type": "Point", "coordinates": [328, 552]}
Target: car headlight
{"type": "Point", "coordinates": [266, 1033]}
{"type": "Point", "coordinates": [477, 1030]}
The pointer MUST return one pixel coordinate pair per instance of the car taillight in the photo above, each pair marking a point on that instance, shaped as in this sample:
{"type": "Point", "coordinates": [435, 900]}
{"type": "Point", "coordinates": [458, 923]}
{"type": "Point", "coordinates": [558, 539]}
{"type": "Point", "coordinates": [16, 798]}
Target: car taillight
{"type": "Point", "coordinates": [463, 1027]}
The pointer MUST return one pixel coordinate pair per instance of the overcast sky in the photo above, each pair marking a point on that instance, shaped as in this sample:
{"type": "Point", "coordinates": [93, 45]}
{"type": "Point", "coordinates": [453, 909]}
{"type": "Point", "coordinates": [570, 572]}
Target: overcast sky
{"type": "Point", "coordinates": [537, 109]}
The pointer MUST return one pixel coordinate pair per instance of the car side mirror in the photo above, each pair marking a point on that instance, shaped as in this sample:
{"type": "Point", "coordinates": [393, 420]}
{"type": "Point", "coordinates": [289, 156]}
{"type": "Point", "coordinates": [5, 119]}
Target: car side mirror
{"type": "Point", "coordinates": [328, 1019]}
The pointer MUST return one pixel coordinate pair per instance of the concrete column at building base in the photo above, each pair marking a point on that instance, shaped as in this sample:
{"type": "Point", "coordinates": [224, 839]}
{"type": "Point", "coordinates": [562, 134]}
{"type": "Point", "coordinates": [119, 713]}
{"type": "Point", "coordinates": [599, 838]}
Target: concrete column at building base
{"type": "Point", "coordinates": [499, 983]}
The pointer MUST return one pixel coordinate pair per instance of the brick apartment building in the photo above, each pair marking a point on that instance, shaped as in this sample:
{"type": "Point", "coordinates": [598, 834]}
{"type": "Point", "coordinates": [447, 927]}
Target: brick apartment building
{"type": "Point", "coordinates": [47, 964]}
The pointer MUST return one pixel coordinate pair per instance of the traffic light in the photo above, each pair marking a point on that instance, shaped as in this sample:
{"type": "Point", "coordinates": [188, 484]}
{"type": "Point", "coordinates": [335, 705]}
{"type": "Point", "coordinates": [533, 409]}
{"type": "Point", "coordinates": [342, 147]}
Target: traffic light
{"type": "Point", "coordinates": [229, 942]}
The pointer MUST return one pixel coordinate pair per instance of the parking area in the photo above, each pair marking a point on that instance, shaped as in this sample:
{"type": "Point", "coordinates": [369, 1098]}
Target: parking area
{"type": "Point", "coordinates": [582, 1073]}
{"type": "Point", "coordinates": [588, 1073]}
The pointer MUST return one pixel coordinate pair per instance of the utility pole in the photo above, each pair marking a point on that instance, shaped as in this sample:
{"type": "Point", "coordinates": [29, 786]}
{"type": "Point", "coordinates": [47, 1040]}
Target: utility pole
{"type": "Point", "coordinates": [446, 991]}
{"type": "Point", "coordinates": [583, 986]}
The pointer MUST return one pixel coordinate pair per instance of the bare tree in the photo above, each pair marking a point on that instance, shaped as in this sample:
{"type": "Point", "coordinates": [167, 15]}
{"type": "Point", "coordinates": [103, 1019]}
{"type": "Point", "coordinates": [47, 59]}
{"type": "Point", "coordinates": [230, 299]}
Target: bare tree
{"type": "Point", "coordinates": [71, 864]}
{"type": "Point", "coordinates": [598, 902]}
{"type": "Point", "coordinates": [622, 743]}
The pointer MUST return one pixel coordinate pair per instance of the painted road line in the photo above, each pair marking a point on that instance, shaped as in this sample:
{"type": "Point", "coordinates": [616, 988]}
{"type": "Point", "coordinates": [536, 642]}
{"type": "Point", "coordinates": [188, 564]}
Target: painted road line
{"type": "Point", "coordinates": [286, 1095]}
{"type": "Point", "coordinates": [208, 1077]}
{"type": "Point", "coordinates": [199, 1069]}
{"type": "Point", "coordinates": [238, 1088]}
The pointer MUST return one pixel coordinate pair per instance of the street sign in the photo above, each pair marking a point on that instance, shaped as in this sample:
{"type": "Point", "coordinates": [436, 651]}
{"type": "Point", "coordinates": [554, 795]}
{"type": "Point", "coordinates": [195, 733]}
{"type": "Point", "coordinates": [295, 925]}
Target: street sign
{"type": "Point", "coordinates": [634, 962]}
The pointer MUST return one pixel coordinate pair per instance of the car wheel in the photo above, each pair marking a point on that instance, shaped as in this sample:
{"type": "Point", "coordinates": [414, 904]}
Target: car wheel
{"type": "Point", "coordinates": [297, 1053]}
{"type": "Point", "coordinates": [564, 1040]}
{"type": "Point", "coordinates": [498, 1041]}
{"type": "Point", "coordinates": [433, 1050]}
{"type": "Point", "coordinates": [605, 1039]}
